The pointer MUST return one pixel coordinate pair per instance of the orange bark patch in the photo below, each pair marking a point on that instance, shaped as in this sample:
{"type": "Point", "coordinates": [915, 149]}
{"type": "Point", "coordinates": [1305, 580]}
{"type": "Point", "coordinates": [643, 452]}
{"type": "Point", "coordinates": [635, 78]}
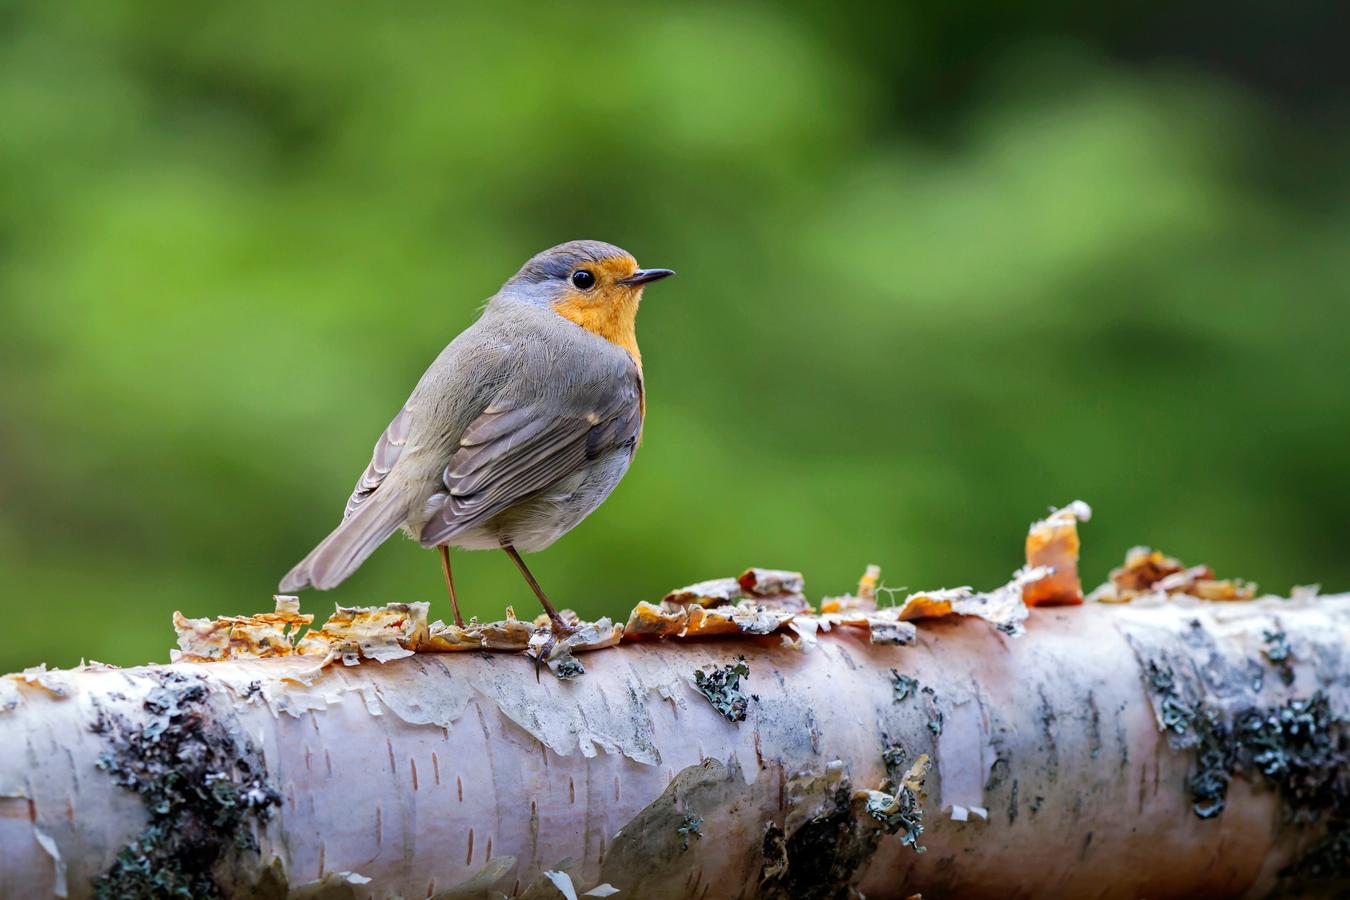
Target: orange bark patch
{"type": "Point", "coordinates": [1149, 571]}
{"type": "Point", "coordinates": [1053, 542]}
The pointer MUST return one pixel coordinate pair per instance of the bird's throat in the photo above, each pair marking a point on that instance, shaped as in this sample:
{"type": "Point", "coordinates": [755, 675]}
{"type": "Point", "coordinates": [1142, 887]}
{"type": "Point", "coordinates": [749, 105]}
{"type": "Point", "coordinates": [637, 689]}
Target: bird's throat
{"type": "Point", "coordinates": [615, 320]}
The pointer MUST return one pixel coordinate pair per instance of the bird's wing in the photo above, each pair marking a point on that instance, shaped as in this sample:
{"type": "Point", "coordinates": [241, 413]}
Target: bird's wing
{"type": "Point", "coordinates": [387, 451]}
{"type": "Point", "coordinates": [517, 448]}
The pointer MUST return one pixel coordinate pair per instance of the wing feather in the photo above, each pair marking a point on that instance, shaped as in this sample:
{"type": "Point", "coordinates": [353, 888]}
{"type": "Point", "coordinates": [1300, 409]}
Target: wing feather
{"type": "Point", "coordinates": [516, 449]}
{"type": "Point", "coordinates": [387, 451]}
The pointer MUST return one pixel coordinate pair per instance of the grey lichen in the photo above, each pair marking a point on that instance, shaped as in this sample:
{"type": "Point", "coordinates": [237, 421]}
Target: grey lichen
{"type": "Point", "coordinates": [203, 790]}
{"type": "Point", "coordinates": [893, 758]}
{"type": "Point", "coordinates": [690, 824]}
{"type": "Point", "coordinates": [898, 806]}
{"type": "Point", "coordinates": [722, 687]}
{"type": "Point", "coordinates": [1299, 747]}
{"type": "Point", "coordinates": [935, 717]}
{"type": "Point", "coordinates": [1176, 714]}
{"type": "Point", "coordinates": [1303, 749]}
{"type": "Point", "coordinates": [1280, 655]}
{"type": "Point", "coordinates": [904, 686]}
{"type": "Point", "coordinates": [567, 668]}
{"type": "Point", "coordinates": [1213, 765]}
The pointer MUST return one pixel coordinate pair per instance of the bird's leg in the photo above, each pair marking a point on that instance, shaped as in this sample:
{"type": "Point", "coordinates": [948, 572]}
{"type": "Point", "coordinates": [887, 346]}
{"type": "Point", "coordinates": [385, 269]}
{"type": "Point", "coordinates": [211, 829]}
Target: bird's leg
{"type": "Point", "coordinates": [450, 583]}
{"type": "Point", "coordinates": [559, 627]}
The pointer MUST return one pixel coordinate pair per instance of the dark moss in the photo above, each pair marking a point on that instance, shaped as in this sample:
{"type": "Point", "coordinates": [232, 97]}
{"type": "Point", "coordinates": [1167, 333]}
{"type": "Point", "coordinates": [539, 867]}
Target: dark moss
{"type": "Point", "coordinates": [774, 851]}
{"type": "Point", "coordinates": [203, 789]}
{"type": "Point", "coordinates": [1328, 860]}
{"type": "Point", "coordinates": [821, 859]}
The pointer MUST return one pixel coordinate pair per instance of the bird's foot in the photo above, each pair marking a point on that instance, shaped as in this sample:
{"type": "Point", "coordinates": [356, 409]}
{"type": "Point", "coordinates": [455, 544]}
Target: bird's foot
{"type": "Point", "coordinates": [561, 628]}
{"type": "Point", "coordinates": [556, 631]}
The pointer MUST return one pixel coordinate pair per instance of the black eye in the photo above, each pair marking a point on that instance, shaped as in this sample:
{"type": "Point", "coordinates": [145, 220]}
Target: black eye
{"type": "Point", "coordinates": [582, 279]}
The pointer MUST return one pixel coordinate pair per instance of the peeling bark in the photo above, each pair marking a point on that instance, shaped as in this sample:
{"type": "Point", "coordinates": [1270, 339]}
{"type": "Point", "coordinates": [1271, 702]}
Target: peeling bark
{"type": "Point", "coordinates": [1076, 760]}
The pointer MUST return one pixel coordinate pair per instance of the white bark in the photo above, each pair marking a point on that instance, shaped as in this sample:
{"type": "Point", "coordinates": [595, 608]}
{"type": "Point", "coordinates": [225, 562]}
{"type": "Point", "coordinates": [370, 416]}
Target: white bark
{"type": "Point", "coordinates": [421, 773]}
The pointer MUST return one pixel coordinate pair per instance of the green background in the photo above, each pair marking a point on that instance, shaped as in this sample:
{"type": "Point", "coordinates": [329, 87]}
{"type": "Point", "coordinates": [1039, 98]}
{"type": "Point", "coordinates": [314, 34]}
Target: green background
{"type": "Point", "coordinates": [939, 269]}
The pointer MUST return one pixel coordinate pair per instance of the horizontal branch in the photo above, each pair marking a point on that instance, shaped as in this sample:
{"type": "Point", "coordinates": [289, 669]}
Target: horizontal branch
{"type": "Point", "coordinates": [1165, 748]}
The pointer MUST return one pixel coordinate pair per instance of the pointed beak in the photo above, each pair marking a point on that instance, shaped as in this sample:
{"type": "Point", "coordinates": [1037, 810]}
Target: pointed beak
{"type": "Point", "coordinates": [644, 276]}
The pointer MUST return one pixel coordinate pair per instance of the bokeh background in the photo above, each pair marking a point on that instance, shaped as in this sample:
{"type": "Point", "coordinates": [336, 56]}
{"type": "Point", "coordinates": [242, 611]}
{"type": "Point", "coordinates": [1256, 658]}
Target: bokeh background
{"type": "Point", "coordinates": [939, 269]}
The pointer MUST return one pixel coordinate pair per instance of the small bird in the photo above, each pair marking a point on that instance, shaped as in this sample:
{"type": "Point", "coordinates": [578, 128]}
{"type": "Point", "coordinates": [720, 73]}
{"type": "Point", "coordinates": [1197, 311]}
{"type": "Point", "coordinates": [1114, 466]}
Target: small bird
{"type": "Point", "coordinates": [521, 427]}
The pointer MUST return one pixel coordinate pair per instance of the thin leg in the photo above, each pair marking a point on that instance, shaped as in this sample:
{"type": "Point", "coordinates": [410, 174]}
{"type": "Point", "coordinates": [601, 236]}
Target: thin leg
{"type": "Point", "coordinates": [450, 583]}
{"type": "Point", "coordinates": [558, 626]}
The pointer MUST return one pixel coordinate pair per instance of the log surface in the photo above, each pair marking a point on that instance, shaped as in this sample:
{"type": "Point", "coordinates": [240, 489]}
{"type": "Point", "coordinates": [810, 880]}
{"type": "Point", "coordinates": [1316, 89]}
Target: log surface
{"type": "Point", "coordinates": [421, 773]}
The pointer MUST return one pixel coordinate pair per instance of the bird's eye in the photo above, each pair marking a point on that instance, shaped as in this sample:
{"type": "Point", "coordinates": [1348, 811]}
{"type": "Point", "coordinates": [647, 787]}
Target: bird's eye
{"type": "Point", "coordinates": [582, 279]}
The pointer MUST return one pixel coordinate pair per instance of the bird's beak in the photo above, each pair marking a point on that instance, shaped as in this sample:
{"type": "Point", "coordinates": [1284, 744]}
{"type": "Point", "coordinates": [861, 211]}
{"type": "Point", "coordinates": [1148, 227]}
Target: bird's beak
{"type": "Point", "coordinates": [643, 276]}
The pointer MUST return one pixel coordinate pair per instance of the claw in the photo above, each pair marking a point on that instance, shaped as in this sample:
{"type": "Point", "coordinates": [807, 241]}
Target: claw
{"type": "Point", "coordinates": [544, 651]}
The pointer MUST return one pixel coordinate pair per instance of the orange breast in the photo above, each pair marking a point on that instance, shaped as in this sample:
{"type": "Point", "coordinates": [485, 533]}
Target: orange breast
{"type": "Point", "coordinates": [610, 311]}
{"type": "Point", "coordinates": [615, 321]}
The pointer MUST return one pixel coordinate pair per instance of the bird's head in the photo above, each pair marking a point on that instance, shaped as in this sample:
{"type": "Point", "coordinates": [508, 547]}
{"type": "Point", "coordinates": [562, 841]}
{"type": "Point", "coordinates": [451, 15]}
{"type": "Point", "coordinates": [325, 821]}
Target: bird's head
{"type": "Point", "coordinates": [590, 283]}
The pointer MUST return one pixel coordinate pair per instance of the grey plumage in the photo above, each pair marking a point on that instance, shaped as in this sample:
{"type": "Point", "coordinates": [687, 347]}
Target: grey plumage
{"type": "Point", "coordinates": [521, 426]}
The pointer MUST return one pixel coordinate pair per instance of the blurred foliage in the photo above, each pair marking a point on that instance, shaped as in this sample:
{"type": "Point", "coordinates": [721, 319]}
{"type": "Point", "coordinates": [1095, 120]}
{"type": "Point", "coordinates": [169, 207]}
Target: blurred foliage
{"type": "Point", "coordinates": [937, 272]}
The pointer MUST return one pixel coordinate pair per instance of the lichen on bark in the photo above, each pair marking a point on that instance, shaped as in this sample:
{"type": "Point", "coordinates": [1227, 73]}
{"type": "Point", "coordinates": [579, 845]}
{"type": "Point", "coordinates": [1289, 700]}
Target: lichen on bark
{"type": "Point", "coordinates": [825, 843]}
{"type": "Point", "coordinates": [203, 787]}
{"type": "Point", "coordinates": [1285, 733]}
{"type": "Point", "coordinates": [722, 686]}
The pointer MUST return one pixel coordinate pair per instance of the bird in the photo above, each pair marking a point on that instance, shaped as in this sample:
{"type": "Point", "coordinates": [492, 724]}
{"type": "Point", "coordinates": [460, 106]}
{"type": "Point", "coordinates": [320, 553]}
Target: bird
{"type": "Point", "coordinates": [520, 428]}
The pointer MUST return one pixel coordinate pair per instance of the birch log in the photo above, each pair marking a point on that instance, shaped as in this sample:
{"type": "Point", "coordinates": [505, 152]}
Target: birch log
{"type": "Point", "coordinates": [1074, 761]}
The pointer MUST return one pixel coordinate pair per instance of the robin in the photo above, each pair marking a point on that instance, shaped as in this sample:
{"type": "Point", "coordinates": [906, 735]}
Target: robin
{"type": "Point", "coordinates": [518, 431]}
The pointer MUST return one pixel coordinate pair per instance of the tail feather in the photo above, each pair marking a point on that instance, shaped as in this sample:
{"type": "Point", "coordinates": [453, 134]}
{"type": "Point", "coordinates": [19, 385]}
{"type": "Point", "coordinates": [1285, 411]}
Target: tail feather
{"type": "Point", "coordinates": [343, 551]}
